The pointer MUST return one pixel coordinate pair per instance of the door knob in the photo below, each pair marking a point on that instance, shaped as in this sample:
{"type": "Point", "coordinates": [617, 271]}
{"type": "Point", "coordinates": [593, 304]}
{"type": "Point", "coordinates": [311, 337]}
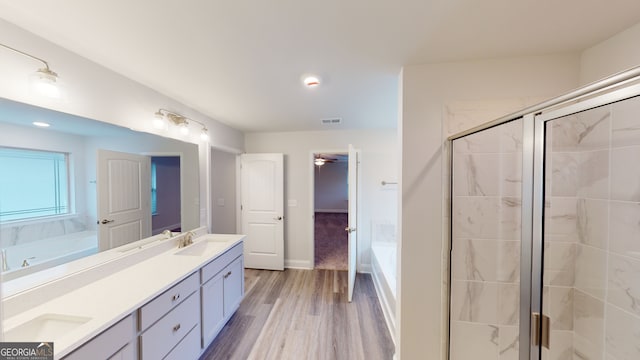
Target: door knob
{"type": "Point", "coordinates": [105, 221]}
{"type": "Point", "coordinates": [278, 218]}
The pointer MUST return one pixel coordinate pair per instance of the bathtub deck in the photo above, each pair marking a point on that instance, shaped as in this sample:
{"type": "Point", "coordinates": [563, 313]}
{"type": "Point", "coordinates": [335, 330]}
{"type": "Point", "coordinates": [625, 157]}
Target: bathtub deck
{"type": "Point", "coordinates": [304, 314]}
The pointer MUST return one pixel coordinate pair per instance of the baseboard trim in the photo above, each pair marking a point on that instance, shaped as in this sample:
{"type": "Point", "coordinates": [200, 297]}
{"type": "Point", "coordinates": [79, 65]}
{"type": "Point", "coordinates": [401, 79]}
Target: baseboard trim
{"type": "Point", "coordinates": [298, 264]}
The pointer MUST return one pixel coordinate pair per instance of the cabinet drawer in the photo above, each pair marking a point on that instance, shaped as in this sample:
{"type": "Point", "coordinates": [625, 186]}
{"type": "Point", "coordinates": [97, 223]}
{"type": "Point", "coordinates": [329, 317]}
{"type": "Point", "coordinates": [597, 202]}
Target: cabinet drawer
{"type": "Point", "coordinates": [164, 335]}
{"type": "Point", "coordinates": [166, 301]}
{"type": "Point", "coordinates": [214, 267]}
{"type": "Point", "coordinates": [189, 347]}
{"type": "Point", "coordinates": [107, 343]}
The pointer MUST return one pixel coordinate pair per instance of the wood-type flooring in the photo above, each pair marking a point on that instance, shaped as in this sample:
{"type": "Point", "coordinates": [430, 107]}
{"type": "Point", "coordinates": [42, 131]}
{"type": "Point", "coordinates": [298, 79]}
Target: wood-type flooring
{"type": "Point", "coordinates": [304, 315]}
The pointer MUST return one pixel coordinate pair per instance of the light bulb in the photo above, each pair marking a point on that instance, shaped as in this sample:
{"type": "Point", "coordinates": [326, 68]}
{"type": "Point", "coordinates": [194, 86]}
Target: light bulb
{"type": "Point", "coordinates": [319, 162]}
{"type": "Point", "coordinates": [159, 121]}
{"type": "Point", "coordinates": [204, 134]}
{"type": "Point", "coordinates": [45, 82]}
{"type": "Point", "coordinates": [184, 128]}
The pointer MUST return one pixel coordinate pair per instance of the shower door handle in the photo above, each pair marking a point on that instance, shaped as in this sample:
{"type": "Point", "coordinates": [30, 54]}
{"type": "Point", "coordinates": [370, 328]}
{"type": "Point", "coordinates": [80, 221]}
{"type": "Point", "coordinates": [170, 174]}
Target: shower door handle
{"type": "Point", "coordinates": [541, 329]}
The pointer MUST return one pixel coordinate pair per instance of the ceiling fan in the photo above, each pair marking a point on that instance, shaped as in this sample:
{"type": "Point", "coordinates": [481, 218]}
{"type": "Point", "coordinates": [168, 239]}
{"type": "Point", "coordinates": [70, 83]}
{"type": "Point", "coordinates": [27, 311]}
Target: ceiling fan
{"type": "Point", "coordinates": [321, 159]}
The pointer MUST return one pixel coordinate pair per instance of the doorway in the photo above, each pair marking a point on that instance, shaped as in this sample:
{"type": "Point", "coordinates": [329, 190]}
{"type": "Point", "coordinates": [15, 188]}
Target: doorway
{"type": "Point", "coordinates": [331, 241]}
{"type": "Point", "coordinates": [165, 194]}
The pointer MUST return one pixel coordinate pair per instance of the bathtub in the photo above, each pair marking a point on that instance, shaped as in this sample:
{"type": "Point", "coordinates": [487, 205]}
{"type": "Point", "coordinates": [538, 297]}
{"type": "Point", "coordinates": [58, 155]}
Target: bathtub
{"type": "Point", "coordinates": [43, 254]}
{"type": "Point", "coordinates": [383, 265]}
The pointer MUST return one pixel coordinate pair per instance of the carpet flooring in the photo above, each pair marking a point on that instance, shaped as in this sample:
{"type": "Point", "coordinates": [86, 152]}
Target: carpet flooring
{"type": "Point", "coordinates": [331, 241]}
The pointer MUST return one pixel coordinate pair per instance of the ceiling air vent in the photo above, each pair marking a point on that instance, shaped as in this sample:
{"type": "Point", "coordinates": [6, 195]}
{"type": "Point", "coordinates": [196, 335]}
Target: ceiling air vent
{"type": "Point", "coordinates": [332, 121]}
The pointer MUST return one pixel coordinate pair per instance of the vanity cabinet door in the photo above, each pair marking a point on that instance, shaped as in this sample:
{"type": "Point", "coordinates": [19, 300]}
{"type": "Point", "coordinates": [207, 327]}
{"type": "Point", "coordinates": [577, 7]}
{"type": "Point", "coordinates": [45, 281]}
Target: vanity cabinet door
{"type": "Point", "coordinates": [233, 276]}
{"type": "Point", "coordinates": [213, 316]}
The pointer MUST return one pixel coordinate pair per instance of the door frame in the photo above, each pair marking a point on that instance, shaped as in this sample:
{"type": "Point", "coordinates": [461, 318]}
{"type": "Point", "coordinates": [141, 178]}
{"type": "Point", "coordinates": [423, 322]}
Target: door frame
{"type": "Point", "coordinates": [312, 201]}
{"type": "Point", "coordinates": [179, 154]}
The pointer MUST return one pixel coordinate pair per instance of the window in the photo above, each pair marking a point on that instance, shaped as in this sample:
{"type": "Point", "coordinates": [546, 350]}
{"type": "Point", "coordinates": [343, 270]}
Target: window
{"type": "Point", "coordinates": [33, 183]}
{"type": "Point", "coordinates": [154, 190]}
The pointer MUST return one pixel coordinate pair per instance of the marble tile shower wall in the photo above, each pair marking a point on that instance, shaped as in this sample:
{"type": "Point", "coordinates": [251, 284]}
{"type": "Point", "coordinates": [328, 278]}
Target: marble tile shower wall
{"type": "Point", "coordinates": [23, 233]}
{"type": "Point", "coordinates": [592, 234]}
{"type": "Point", "coordinates": [486, 244]}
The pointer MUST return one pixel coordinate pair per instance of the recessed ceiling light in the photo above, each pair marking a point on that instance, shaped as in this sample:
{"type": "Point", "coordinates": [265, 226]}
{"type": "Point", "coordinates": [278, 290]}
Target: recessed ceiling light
{"type": "Point", "coordinates": [41, 124]}
{"type": "Point", "coordinates": [311, 81]}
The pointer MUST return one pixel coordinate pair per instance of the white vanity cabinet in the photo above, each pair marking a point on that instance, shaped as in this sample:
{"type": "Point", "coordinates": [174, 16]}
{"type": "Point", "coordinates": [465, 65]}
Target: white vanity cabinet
{"type": "Point", "coordinates": [222, 290]}
{"type": "Point", "coordinates": [173, 316]}
{"type": "Point", "coordinates": [166, 320]}
{"type": "Point", "coordinates": [113, 343]}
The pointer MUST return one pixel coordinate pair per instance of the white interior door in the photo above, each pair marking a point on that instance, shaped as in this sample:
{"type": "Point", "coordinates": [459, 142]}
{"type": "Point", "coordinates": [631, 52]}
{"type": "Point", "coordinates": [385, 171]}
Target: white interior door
{"type": "Point", "coordinates": [124, 198]}
{"type": "Point", "coordinates": [262, 209]}
{"type": "Point", "coordinates": [352, 181]}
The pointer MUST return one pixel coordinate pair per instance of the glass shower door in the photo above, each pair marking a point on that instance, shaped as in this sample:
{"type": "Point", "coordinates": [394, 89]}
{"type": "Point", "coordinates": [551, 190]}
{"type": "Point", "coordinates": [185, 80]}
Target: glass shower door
{"type": "Point", "coordinates": [485, 244]}
{"type": "Point", "coordinates": [591, 265]}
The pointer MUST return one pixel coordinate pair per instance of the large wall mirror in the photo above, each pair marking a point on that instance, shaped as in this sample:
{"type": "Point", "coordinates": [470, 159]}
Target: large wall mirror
{"type": "Point", "coordinates": [79, 187]}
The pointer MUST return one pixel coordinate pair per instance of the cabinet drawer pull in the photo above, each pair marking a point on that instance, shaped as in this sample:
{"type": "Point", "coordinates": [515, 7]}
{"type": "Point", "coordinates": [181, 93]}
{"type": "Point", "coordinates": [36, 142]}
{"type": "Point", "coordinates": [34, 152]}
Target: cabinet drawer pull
{"type": "Point", "coordinates": [227, 274]}
{"type": "Point", "coordinates": [176, 328]}
{"type": "Point", "coordinates": [175, 297]}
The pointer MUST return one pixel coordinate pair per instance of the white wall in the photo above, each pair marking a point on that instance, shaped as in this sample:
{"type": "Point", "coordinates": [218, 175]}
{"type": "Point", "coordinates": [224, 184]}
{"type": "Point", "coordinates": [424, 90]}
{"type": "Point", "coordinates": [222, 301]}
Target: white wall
{"type": "Point", "coordinates": [223, 192]}
{"type": "Point", "coordinates": [331, 191]}
{"type": "Point", "coordinates": [485, 88]}
{"type": "Point", "coordinates": [378, 162]}
{"type": "Point", "coordinates": [613, 55]}
{"type": "Point", "coordinates": [99, 93]}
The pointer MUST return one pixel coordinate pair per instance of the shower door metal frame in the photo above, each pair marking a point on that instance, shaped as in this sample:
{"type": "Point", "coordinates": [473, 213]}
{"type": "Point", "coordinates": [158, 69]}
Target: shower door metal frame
{"type": "Point", "coordinates": [615, 88]}
{"type": "Point", "coordinates": [540, 122]}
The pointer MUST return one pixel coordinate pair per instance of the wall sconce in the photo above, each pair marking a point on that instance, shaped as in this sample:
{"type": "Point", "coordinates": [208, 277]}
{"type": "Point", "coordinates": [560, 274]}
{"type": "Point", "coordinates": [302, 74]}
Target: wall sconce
{"type": "Point", "coordinates": [44, 81]}
{"type": "Point", "coordinates": [164, 117]}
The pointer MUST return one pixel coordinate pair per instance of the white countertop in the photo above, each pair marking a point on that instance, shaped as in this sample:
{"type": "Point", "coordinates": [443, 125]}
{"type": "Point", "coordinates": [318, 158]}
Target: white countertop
{"type": "Point", "coordinates": [114, 296]}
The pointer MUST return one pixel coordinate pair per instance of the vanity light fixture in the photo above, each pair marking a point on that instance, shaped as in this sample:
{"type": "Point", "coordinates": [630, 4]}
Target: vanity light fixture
{"type": "Point", "coordinates": [164, 117]}
{"type": "Point", "coordinates": [44, 81]}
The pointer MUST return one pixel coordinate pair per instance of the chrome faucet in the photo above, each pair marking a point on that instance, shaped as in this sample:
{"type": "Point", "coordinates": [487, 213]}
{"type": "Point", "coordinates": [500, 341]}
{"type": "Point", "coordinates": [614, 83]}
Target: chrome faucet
{"type": "Point", "coordinates": [25, 263]}
{"type": "Point", "coordinates": [186, 240]}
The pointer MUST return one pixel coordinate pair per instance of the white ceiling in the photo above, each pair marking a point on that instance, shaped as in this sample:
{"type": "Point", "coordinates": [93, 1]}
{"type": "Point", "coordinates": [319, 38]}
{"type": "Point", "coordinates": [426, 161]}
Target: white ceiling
{"type": "Point", "coordinates": [241, 61]}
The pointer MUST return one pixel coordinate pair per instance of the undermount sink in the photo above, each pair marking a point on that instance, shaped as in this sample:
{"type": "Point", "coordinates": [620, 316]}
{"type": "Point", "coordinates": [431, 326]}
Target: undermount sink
{"type": "Point", "coordinates": [45, 327]}
{"type": "Point", "coordinates": [201, 246]}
